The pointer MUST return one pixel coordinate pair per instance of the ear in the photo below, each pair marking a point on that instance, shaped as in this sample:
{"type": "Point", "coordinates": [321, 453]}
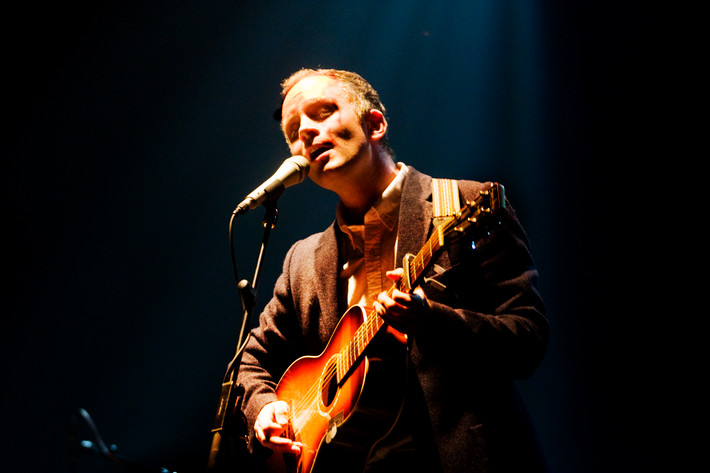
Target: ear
{"type": "Point", "coordinates": [377, 124]}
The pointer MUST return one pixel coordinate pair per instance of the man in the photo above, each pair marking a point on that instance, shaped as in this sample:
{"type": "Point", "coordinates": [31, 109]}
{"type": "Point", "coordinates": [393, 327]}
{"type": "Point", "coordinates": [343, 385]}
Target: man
{"type": "Point", "coordinates": [476, 325]}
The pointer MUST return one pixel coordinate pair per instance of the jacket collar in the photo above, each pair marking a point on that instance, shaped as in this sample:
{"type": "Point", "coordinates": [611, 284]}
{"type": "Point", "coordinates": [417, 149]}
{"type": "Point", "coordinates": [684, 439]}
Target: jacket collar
{"type": "Point", "coordinates": [415, 213]}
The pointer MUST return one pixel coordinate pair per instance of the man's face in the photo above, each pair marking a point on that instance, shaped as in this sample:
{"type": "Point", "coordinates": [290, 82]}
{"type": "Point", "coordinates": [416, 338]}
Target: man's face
{"type": "Point", "coordinates": [321, 123]}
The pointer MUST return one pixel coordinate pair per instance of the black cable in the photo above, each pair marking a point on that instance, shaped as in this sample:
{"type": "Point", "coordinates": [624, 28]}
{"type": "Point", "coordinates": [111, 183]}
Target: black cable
{"type": "Point", "coordinates": [228, 376]}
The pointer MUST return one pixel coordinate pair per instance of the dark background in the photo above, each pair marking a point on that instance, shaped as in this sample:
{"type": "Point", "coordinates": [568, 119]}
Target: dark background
{"type": "Point", "coordinates": [136, 128]}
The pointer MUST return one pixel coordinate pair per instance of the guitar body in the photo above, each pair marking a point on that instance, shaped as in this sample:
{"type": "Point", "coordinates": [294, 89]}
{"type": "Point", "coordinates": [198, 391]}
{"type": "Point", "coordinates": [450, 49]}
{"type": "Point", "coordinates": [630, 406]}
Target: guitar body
{"type": "Point", "coordinates": [339, 416]}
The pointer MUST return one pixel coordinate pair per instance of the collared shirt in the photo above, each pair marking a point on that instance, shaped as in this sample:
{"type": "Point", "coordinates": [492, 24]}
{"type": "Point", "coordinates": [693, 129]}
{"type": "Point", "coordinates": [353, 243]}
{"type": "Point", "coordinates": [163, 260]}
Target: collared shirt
{"type": "Point", "coordinates": [368, 249]}
{"type": "Point", "coordinates": [367, 252]}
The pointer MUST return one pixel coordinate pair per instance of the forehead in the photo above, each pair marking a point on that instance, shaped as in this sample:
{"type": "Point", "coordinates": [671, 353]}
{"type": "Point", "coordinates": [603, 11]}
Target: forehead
{"type": "Point", "coordinates": [310, 89]}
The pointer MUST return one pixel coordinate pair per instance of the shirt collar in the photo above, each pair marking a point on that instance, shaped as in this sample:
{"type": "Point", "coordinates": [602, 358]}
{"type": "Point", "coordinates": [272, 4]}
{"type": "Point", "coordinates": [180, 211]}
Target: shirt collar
{"type": "Point", "coordinates": [387, 206]}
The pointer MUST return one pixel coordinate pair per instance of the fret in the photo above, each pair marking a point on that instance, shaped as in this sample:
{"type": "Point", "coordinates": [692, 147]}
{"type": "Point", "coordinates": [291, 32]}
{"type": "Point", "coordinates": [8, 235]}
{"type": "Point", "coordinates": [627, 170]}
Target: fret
{"type": "Point", "coordinates": [339, 367]}
{"type": "Point", "coordinates": [353, 349]}
{"type": "Point", "coordinates": [359, 345]}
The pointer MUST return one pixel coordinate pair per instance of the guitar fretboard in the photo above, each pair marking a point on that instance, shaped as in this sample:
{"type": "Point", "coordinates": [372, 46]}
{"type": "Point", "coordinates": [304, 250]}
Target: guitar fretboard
{"type": "Point", "coordinates": [353, 351]}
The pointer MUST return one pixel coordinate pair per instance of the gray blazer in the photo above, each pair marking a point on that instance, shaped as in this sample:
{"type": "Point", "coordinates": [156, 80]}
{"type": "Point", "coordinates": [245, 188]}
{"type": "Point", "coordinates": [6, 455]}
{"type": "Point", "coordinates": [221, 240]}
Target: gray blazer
{"type": "Point", "coordinates": [487, 328]}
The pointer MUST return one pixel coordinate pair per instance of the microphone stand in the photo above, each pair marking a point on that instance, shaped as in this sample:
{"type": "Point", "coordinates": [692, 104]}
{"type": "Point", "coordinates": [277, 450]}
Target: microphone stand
{"type": "Point", "coordinates": [230, 419]}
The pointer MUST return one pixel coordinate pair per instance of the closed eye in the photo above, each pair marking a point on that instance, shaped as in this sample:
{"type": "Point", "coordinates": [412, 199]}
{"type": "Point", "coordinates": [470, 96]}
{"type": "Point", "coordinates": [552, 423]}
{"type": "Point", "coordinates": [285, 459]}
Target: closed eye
{"type": "Point", "coordinates": [324, 111]}
{"type": "Point", "coordinates": [318, 111]}
{"type": "Point", "coordinates": [292, 135]}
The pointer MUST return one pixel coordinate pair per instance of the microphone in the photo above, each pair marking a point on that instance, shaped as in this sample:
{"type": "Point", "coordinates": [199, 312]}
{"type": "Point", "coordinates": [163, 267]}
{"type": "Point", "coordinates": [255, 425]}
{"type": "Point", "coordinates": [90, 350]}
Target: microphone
{"type": "Point", "coordinates": [293, 171]}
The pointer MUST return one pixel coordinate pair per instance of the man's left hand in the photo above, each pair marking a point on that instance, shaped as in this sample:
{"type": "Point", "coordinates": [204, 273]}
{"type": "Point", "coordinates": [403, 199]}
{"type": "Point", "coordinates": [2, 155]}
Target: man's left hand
{"type": "Point", "coordinates": [403, 310]}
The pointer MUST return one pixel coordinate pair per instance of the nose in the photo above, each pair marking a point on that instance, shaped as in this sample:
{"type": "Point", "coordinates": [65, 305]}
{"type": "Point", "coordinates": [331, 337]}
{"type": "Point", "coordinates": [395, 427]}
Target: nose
{"type": "Point", "coordinates": [308, 130]}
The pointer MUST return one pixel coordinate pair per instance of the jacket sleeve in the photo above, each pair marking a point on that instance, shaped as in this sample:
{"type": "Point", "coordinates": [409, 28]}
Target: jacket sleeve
{"type": "Point", "coordinates": [271, 347]}
{"type": "Point", "coordinates": [297, 321]}
{"type": "Point", "coordinates": [490, 315]}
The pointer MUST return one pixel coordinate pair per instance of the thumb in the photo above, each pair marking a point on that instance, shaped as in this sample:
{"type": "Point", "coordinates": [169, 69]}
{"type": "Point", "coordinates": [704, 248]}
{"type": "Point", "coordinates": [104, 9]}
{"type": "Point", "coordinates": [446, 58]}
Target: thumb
{"type": "Point", "coordinates": [281, 412]}
{"type": "Point", "coordinates": [395, 274]}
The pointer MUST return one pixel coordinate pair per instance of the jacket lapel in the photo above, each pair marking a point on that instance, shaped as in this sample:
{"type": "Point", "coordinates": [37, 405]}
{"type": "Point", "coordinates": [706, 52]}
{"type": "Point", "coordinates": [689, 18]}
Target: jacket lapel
{"type": "Point", "coordinates": [326, 269]}
{"type": "Point", "coordinates": [415, 214]}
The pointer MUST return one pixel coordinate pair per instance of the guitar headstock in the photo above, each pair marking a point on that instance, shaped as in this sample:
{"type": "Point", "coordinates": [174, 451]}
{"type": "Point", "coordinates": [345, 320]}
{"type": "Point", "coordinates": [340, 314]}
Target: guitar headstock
{"type": "Point", "coordinates": [488, 202]}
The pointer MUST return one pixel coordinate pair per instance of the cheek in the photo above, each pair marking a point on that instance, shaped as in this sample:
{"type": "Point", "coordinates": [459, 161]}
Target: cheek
{"type": "Point", "coordinates": [345, 134]}
{"type": "Point", "coordinates": [346, 127]}
{"type": "Point", "coordinates": [351, 132]}
{"type": "Point", "coordinates": [296, 148]}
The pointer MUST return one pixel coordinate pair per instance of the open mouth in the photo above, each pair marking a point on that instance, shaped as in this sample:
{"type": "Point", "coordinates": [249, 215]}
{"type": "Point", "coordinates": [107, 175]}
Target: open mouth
{"type": "Point", "coordinates": [318, 151]}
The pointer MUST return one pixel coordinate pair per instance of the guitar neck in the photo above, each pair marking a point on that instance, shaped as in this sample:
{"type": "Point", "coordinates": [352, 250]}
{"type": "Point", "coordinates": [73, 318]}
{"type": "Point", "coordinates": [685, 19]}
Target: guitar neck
{"type": "Point", "coordinates": [353, 351]}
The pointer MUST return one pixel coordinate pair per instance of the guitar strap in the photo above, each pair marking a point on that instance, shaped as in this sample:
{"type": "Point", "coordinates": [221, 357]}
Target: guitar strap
{"type": "Point", "coordinates": [445, 195]}
{"type": "Point", "coordinates": [446, 200]}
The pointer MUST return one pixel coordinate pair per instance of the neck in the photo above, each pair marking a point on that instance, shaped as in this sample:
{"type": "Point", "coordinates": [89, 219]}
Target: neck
{"type": "Point", "coordinates": [365, 189]}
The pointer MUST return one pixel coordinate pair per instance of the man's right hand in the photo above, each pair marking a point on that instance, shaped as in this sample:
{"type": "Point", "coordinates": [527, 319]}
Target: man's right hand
{"type": "Point", "coordinates": [270, 425]}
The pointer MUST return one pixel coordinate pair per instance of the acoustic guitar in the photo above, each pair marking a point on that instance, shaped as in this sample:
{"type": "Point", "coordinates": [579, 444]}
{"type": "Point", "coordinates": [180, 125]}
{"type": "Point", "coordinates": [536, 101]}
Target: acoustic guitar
{"type": "Point", "coordinates": [348, 398]}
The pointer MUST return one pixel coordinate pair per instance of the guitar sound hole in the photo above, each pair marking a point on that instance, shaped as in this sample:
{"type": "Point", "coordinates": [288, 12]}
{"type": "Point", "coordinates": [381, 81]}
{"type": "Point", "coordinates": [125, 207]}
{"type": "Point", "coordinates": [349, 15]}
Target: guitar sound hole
{"type": "Point", "coordinates": [329, 386]}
